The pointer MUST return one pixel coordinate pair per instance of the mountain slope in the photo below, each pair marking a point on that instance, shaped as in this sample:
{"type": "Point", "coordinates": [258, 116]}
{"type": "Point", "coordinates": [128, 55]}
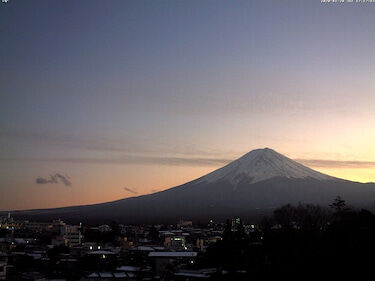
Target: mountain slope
{"type": "Point", "coordinates": [250, 186]}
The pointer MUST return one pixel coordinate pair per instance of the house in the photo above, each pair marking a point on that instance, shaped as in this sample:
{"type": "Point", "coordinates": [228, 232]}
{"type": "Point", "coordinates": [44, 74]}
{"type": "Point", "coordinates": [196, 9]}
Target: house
{"type": "Point", "coordinates": [3, 266]}
{"type": "Point", "coordinates": [164, 260]}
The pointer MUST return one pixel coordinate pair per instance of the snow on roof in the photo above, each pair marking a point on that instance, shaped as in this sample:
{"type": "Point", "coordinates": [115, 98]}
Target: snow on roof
{"type": "Point", "coordinates": [144, 248]}
{"type": "Point", "coordinates": [188, 274]}
{"type": "Point", "coordinates": [35, 256]}
{"type": "Point", "coordinates": [72, 260]}
{"type": "Point", "coordinates": [128, 268]}
{"type": "Point", "coordinates": [105, 274]}
{"type": "Point", "coordinates": [165, 232]}
{"type": "Point", "coordinates": [120, 274]}
{"type": "Point", "coordinates": [102, 252]}
{"type": "Point", "coordinates": [172, 254]}
{"type": "Point", "coordinates": [20, 240]}
{"type": "Point", "coordinates": [110, 275]}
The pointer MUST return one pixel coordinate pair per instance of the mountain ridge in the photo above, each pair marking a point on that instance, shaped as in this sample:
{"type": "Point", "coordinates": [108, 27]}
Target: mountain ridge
{"type": "Point", "coordinates": [251, 186]}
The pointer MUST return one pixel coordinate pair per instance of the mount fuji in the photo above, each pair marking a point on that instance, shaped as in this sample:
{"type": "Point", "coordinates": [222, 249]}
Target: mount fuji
{"type": "Point", "coordinates": [250, 187]}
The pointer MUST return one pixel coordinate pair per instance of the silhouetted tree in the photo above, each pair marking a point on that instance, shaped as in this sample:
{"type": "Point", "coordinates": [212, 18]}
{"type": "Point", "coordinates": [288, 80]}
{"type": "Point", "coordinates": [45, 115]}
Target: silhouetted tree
{"type": "Point", "coordinates": [338, 204]}
{"type": "Point", "coordinates": [303, 216]}
{"type": "Point", "coordinates": [311, 217]}
{"type": "Point", "coordinates": [285, 216]}
{"type": "Point", "coordinates": [241, 235]}
{"type": "Point", "coordinates": [154, 234]}
{"type": "Point", "coordinates": [115, 228]}
{"type": "Point", "coordinates": [227, 234]}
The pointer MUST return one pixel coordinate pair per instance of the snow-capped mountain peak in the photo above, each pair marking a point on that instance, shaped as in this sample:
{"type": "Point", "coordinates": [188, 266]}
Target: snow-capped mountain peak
{"type": "Point", "coordinates": [262, 164]}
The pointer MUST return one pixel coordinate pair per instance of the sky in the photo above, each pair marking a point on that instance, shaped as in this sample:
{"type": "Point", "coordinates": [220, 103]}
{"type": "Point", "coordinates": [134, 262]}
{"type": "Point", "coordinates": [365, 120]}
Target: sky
{"type": "Point", "coordinates": [102, 100]}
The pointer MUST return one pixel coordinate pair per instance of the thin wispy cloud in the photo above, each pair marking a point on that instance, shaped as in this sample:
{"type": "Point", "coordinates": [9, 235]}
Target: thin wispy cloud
{"type": "Point", "coordinates": [167, 161]}
{"type": "Point", "coordinates": [125, 145]}
{"type": "Point", "coordinates": [322, 163]}
{"type": "Point", "coordinates": [54, 179]}
{"type": "Point", "coordinates": [130, 190]}
{"type": "Point", "coordinates": [185, 161]}
{"type": "Point", "coordinates": [71, 141]}
{"type": "Point", "coordinates": [211, 158]}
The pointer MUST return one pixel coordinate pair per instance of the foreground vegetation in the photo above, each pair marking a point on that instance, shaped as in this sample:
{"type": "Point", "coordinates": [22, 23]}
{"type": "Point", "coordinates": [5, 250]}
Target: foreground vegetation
{"type": "Point", "coordinates": [304, 241]}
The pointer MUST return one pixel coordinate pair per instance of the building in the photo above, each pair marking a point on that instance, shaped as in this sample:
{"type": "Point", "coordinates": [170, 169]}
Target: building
{"type": "Point", "coordinates": [3, 266]}
{"type": "Point", "coordinates": [104, 228]}
{"type": "Point", "coordinates": [38, 227]}
{"type": "Point", "coordinates": [72, 235]}
{"type": "Point", "coordinates": [175, 242]}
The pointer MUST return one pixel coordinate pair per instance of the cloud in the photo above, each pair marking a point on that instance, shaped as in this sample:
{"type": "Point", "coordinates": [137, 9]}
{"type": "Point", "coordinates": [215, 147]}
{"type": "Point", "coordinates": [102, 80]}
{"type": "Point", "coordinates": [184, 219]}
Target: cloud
{"type": "Point", "coordinates": [336, 163]}
{"type": "Point", "coordinates": [54, 179]}
{"type": "Point", "coordinates": [130, 190]}
{"type": "Point", "coordinates": [64, 179]}
{"type": "Point", "coordinates": [167, 161]}
{"type": "Point", "coordinates": [41, 180]}
{"type": "Point", "coordinates": [185, 161]}
{"type": "Point", "coordinates": [126, 144]}
{"type": "Point", "coordinates": [96, 143]}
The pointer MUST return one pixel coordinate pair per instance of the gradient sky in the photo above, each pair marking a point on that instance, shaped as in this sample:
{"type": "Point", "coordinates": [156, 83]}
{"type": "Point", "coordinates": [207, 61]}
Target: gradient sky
{"type": "Point", "coordinates": [124, 98]}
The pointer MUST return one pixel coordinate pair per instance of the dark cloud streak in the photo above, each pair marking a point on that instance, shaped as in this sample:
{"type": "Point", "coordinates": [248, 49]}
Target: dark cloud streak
{"type": "Point", "coordinates": [54, 179]}
{"type": "Point", "coordinates": [130, 190]}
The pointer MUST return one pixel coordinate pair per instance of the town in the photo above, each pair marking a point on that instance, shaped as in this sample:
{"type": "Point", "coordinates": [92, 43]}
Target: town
{"type": "Point", "coordinates": [295, 240]}
{"type": "Point", "coordinates": [59, 251]}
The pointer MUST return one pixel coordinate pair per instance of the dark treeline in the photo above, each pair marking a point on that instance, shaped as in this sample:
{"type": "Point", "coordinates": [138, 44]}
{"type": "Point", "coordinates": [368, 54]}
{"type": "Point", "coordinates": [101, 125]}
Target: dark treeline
{"type": "Point", "coordinates": [304, 241]}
